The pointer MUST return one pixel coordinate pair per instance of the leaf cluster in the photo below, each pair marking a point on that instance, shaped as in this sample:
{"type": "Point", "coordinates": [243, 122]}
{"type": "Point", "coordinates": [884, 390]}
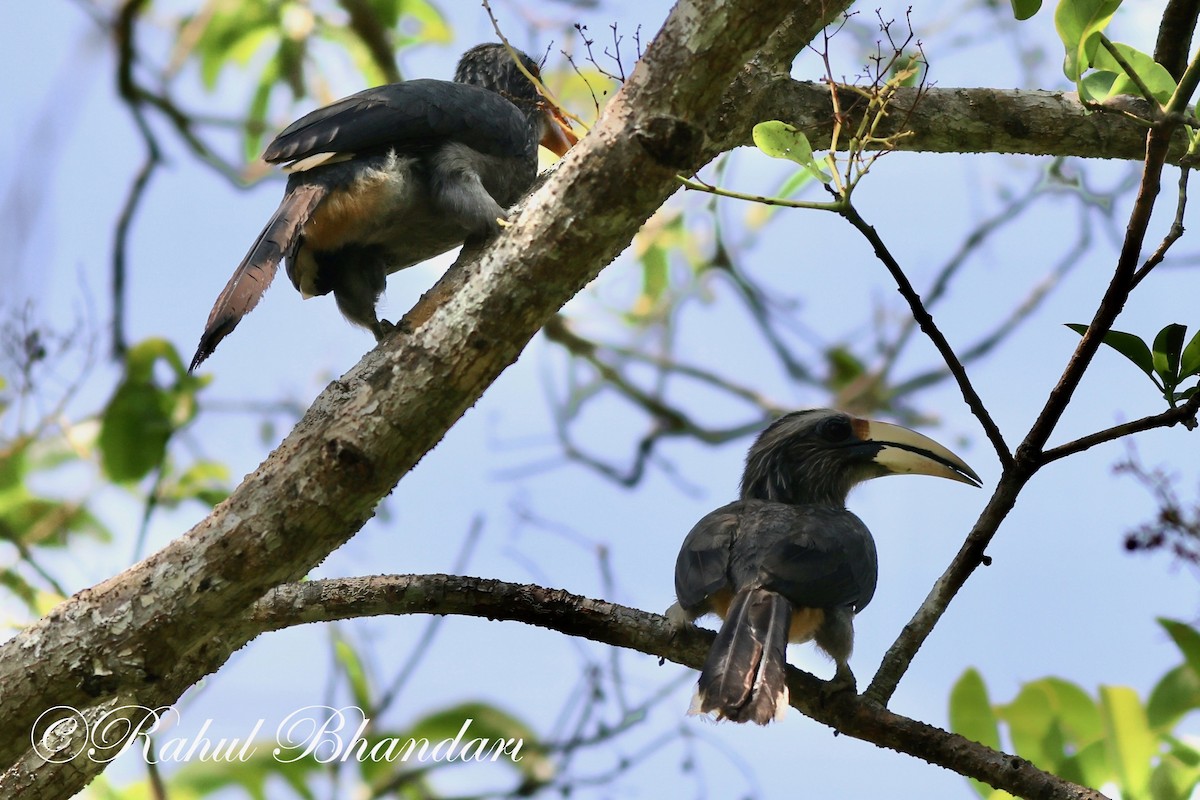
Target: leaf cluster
{"type": "Point", "coordinates": [1112, 739]}
{"type": "Point", "coordinates": [1168, 363]}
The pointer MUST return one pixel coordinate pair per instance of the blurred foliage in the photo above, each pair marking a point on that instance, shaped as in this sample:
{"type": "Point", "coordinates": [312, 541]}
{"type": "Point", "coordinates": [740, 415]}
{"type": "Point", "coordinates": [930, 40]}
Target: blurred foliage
{"type": "Point", "coordinates": [145, 412]}
{"type": "Point", "coordinates": [271, 41]}
{"type": "Point", "coordinates": [1112, 739]}
{"type": "Point", "coordinates": [366, 761]}
{"type": "Point", "coordinates": [125, 443]}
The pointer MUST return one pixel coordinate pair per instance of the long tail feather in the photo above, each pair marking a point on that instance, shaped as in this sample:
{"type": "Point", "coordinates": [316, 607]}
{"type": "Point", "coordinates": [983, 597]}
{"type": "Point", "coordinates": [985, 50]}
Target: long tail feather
{"type": "Point", "coordinates": [277, 241]}
{"type": "Point", "coordinates": [744, 679]}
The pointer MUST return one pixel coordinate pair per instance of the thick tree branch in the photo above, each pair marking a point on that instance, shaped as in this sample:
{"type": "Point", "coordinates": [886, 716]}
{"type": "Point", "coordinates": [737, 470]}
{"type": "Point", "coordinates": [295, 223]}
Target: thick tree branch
{"type": "Point", "coordinates": [558, 610]}
{"type": "Point", "coordinates": [147, 634]}
{"type": "Point", "coordinates": [949, 120]}
{"type": "Point", "coordinates": [144, 636]}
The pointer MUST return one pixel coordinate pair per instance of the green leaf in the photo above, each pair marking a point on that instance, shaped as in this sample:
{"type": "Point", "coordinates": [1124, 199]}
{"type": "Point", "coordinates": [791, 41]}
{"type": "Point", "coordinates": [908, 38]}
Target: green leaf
{"type": "Point", "coordinates": [1154, 75]}
{"type": "Point", "coordinates": [759, 214]}
{"type": "Point", "coordinates": [1175, 694]}
{"type": "Point", "coordinates": [1187, 639]}
{"type": "Point", "coordinates": [1168, 345]}
{"type": "Point", "coordinates": [430, 24]}
{"type": "Point", "coordinates": [141, 415]}
{"type": "Point", "coordinates": [781, 140]}
{"type": "Point", "coordinates": [844, 368]}
{"type": "Point", "coordinates": [229, 36]}
{"type": "Point", "coordinates": [1189, 362]}
{"type": "Point", "coordinates": [352, 667]}
{"type": "Point", "coordinates": [1079, 23]}
{"type": "Point", "coordinates": [972, 716]}
{"type": "Point", "coordinates": [1024, 9]}
{"type": "Point", "coordinates": [134, 431]}
{"type": "Point", "coordinates": [1057, 726]}
{"type": "Point", "coordinates": [204, 481]}
{"type": "Point", "coordinates": [1096, 87]}
{"type": "Point", "coordinates": [1074, 709]}
{"type": "Point", "coordinates": [492, 723]}
{"type": "Point", "coordinates": [1090, 766]}
{"type": "Point", "coordinates": [1031, 724]}
{"type": "Point", "coordinates": [1173, 779]}
{"type": "Point", "coordinates": [360, 55]}
{"type": "Point", "coordinates": [1126, 344]}
{"type": "Point", "coordinates": [1131, 745]}
{"type": "Point", "coordinates": [26, 592]}
{"type": "Point", "coordinates": [203, 778]}
{"type": "Point", "coordinates": [256, 114]}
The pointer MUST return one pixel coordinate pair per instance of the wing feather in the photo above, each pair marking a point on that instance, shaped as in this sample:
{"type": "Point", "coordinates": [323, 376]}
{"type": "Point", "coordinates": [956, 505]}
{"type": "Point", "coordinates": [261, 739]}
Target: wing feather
{"type": "Point", "coordinates": [407, 116]}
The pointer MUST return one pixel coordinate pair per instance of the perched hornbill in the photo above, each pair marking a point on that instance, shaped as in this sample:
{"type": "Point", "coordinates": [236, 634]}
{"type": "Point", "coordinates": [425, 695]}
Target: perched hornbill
{"type": "Point", "coordinates": [391, 176]}
{"type": "Point", "coordinates": [787, 561]}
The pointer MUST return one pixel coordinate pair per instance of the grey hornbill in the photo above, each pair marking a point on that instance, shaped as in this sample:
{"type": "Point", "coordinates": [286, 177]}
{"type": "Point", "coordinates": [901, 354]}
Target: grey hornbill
{"type": "Point", "coordinates": [392, 176]}
{"type": "Point", "coordinates": [787, 561]}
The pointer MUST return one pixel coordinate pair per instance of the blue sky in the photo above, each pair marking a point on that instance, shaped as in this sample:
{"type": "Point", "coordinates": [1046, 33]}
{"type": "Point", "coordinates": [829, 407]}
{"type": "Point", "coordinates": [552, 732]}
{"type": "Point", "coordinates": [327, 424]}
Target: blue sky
{"type": "Point", "coordinates": [1061, 598]}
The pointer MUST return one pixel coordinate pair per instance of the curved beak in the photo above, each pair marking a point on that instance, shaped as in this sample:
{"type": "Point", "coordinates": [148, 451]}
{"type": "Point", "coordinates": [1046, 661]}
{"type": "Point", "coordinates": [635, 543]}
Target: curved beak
{"type": "Point", "coordinates": [904, 451]}
{"type": "Point", "coordinates": [558, 137]}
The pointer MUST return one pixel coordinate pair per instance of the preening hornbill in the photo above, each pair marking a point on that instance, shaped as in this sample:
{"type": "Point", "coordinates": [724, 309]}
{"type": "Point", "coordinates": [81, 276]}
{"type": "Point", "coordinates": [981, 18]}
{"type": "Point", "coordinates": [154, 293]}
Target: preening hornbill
{"type": "Point", "coordinates": [787, 561]}
{"type": "Point", "coordinates": [392, 176]}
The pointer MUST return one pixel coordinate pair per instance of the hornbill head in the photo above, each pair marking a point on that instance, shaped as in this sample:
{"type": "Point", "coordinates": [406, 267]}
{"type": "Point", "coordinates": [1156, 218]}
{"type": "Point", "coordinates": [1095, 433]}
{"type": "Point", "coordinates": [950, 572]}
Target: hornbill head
{"type": "Point", "coordinates": [818, 455]}
{"type": "Point", "coordinates": [491, 66]}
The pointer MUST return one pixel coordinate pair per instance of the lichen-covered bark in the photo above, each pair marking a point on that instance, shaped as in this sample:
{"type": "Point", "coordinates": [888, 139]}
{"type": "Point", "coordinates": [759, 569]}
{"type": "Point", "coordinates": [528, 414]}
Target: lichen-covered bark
{"type": "Point", "coordinates": [948, 120]}
{"type": "Point", "coordinates": [145, 635]}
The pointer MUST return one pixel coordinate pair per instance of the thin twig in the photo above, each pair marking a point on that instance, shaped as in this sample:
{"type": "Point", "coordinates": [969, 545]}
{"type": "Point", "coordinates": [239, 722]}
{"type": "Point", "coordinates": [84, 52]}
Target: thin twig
{"type": "Point", "coordinates": [1181, 413]}
{"type": "Point", "coordinates": [1173, 235]}
{"type": "Point", "coordinates": [925, 320]}
{"type": "Point", "coordinates": [1029, 454]}
{"type": "Point", "coordinates": [1128, 69]}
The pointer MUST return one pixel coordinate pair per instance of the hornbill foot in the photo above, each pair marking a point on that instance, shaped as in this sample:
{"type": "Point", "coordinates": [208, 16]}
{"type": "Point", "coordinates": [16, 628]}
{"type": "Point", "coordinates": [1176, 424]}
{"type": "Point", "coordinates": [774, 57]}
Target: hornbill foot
{"type": "Point", "coordinates": [677, 618]}
{"type": "Point", "coordinates": [382, 330]}
{"type": "Point", "coordinates": [841, 682]}
{"type": "Point", "coordinates": [503, 223]}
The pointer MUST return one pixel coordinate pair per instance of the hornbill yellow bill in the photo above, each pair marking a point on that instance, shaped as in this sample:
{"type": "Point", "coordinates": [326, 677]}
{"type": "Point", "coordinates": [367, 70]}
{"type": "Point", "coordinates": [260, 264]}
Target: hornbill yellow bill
{"type": "Point", "coordinates": [787, 561]}
{"type": "Point", "coordinates": [392, 176]}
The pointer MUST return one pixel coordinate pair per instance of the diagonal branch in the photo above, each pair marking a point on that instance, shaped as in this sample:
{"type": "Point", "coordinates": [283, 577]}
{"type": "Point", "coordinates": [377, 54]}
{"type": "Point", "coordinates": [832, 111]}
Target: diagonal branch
{"type": "Point", "coordinates": [1030, 456]}
{"type": "Point", "coordinates": [147, 634]}
{"type": "Point", "coordinates": [925, 321]}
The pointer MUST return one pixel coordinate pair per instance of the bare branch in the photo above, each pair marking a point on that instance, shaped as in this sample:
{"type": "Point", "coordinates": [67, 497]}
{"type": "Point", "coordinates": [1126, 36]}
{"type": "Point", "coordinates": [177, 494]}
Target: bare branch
{"type": "Point", "coordinates": [601, 621]}
{"type": "Point", "coordinates": [1182, 413]}
{"type": "Point", "coordinates": [1028, 457]}
{"type": "Point", "coordinates": [146, 635]}
{"type": "Point", "coordinates": [925, 320]}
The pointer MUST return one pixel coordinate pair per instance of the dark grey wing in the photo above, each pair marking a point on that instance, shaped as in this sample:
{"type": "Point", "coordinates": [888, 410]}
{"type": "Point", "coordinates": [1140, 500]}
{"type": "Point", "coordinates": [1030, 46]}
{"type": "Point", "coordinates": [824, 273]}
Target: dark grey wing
{"type": "Point", "coordinates": [702, 567]}
{"type": "Point", "coordinates": [407, 116]}
{"type": "Point", "coordinates": [816, 557]}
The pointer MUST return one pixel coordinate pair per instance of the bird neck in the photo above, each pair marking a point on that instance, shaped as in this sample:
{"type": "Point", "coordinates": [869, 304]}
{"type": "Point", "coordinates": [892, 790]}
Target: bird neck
{"type": "Point", "coordinates": [775, 477]}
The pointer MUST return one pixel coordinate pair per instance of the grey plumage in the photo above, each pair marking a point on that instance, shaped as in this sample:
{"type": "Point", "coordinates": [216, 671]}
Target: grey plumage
{"type": "Point", "coordinates": [787, 561]}
{"type": "Point", "coordinates": [390, 177]}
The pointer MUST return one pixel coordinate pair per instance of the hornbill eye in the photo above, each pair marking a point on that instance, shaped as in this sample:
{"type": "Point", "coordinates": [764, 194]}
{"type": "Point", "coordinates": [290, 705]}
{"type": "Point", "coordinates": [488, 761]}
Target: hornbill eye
{"type": "Point", "coordinates": [834, 430]}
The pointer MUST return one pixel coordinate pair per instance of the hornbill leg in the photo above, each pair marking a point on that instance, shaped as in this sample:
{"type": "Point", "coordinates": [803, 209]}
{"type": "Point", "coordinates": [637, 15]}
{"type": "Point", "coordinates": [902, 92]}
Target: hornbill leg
{"type": "Point", "coordinates": [357, 289]}
{"type": "Point", "coordinates": [836, 637]}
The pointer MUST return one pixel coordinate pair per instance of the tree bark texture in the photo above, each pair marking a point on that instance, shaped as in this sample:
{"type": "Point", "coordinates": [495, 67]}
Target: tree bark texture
{"type": "Point", "coordinates": [147, 634]}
